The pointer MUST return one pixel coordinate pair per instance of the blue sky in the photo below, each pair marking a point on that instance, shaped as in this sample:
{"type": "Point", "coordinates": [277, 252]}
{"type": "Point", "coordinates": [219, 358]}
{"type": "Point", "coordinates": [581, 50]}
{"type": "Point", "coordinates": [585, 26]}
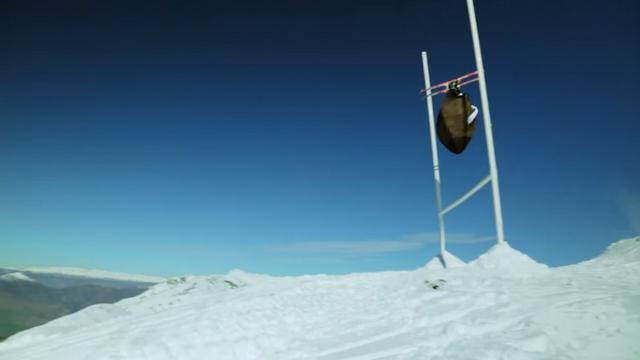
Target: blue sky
{"type": "Point", "coordinates": [197, 137]}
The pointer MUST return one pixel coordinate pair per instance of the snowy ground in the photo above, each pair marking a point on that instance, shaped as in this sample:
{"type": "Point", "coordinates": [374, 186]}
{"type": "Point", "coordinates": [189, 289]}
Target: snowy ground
{"type": "Point", "coordinates": [501, 306]}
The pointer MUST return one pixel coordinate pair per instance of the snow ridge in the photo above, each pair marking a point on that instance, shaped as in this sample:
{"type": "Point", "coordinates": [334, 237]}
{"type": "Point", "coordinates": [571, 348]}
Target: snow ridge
{"type": "Point", "coordinates": [625, 251]}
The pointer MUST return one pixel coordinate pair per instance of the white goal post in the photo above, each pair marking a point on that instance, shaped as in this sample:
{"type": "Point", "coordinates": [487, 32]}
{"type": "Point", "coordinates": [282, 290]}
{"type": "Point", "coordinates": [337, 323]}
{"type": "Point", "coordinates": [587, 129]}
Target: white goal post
{"type": "Point", "coordinates": [493, 169]}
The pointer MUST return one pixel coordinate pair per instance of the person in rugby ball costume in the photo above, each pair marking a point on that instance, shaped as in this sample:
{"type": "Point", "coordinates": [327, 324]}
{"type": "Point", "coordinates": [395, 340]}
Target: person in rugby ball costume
{"type": "Point", "coordinates": [456, 119]}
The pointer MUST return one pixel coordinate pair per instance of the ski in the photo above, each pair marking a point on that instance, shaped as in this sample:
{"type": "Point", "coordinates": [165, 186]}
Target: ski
{"type": "Point", "coordinates": [423, 92]}
{"type": "Point", "coordinates": [445, 83]}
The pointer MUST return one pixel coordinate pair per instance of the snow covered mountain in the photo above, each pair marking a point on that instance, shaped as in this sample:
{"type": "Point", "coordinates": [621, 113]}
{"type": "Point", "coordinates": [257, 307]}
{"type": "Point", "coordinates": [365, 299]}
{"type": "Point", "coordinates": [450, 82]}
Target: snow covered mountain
{"type": "Point", "coordinates": [503, 305]}
{"type": "Point", "coordinates": [94, 274]}
{"type": "Point", "coordinates": [15, 276]}
{"type": "Point", "coordinates": [62, 277]}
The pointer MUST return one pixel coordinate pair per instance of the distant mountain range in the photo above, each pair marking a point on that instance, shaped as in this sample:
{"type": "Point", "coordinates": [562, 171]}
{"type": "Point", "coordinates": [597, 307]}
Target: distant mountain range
{"type": "Point", "coordinates": [33, 296]}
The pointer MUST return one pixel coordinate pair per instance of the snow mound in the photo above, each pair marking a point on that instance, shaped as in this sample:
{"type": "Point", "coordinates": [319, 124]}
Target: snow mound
{"type": "Point", "coordinates": [446, 260]}
{"type": "Point", "coordinates": [16, 276]}
{"type": "Point", "coordinates": [621, 252]}
{"type": "Point", "coordinates": [503, 260]}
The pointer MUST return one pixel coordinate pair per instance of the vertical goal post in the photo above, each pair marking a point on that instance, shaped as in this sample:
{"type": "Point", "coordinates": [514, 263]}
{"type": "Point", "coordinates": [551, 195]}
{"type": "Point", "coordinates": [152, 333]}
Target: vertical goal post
{"type": "Point", "coordinates": [493, 169]}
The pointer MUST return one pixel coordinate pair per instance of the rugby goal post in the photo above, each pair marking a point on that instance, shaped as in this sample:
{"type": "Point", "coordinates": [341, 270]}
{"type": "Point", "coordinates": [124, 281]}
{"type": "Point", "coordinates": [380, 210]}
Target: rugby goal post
{"type": "Point", "coordinates": [493, 169]}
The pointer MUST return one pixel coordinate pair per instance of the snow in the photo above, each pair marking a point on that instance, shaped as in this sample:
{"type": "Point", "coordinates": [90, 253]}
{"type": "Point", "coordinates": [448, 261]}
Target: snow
{"type": "Point", "coordinates": [91, 273]}
{"type": "Point", "coordinates": [15, 276]}
{"type": "Point", "coordinates": [503, 260]}
{"type": "Point", "coordinates": [503, 305]}
{"type": "Point", "coordinates": [444, 260]}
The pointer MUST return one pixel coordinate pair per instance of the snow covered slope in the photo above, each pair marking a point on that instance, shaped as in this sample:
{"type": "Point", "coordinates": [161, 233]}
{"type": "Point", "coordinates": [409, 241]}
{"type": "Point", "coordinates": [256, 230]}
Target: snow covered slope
{"type": "Point", "coordinates": [504, 305]}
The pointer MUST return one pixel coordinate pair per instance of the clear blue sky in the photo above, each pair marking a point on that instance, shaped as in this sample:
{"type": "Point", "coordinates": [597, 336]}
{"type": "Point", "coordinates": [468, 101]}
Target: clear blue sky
{"type": "Point", "coordinates": [288, 137]}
